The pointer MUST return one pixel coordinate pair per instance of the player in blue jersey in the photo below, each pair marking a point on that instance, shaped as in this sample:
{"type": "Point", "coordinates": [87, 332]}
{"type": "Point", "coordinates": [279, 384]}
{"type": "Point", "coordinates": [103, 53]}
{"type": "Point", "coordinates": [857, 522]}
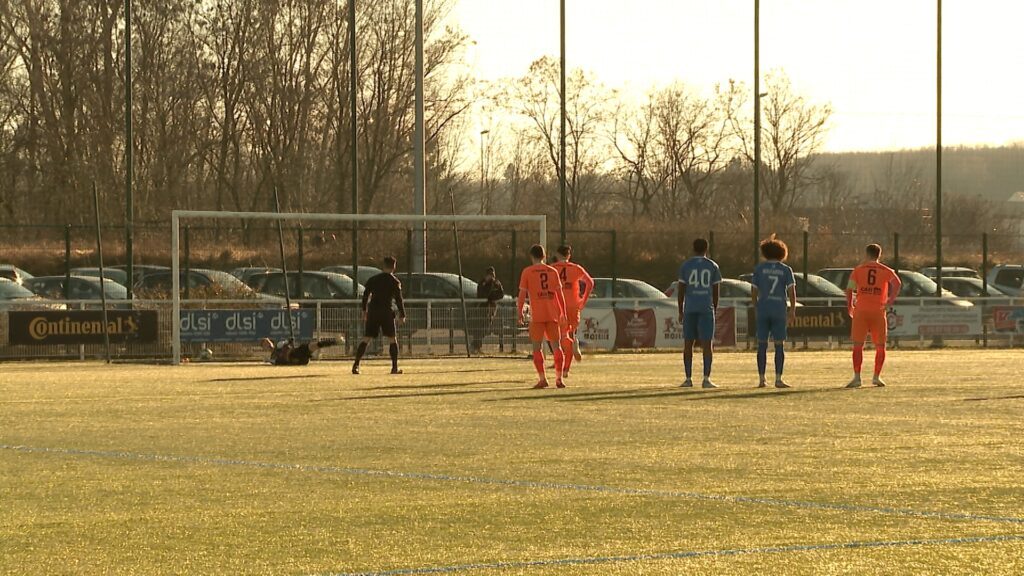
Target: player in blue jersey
{"type": "Point", "coordinates": [699, 283]}
{"type": "Point", "coordinates": [774, 285]}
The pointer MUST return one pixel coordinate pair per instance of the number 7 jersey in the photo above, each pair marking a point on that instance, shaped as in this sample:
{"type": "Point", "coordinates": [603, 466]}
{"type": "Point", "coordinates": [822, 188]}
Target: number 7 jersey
{"type": "Point", "coordinates": [542, 285]}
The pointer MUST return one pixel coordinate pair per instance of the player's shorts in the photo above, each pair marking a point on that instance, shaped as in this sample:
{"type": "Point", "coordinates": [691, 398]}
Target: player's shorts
{"type": "Point", "coordinates": [873, 321]}
{"type": "Point", "coordinates": [545, 331]}
{"type": "Point", "coordinates": [378, 323]}
{"type": "Point", "coordinates": [771, 324]}
{"type": "Point", "coordinates": [699, 326]}
{"type": "Point", "coordinates": [572, 313]}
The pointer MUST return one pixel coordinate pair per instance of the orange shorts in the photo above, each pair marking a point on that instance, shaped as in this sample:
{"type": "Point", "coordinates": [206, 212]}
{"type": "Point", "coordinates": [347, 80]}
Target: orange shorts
{"type": "Point", "coordinates": [540, 331]}
{"type": "Point", "coordinates": [873, 321]}
{"type": "Point", "coordinates": [572, 313]}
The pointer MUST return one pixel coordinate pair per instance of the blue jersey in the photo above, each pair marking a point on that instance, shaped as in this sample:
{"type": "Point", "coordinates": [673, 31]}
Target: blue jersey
{"type": "Point", "coordinates": [772, 279]}
{"type": "Point", "coordinates": [697, 275]}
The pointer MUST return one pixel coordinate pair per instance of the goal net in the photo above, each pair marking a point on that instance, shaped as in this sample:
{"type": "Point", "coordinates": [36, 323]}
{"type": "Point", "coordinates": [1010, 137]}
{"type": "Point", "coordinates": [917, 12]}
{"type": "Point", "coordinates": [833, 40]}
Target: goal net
{"type": "Point", "coordinates": [229, 288]}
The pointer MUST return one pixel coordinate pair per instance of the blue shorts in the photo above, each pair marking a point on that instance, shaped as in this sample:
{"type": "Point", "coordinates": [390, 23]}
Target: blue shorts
{"type": "Point", "coordinates": [699, 326]}
{"type": "Point", "coordinates": [771, 324]}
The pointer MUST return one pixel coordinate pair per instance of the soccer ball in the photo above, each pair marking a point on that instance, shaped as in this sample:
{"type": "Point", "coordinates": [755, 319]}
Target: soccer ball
{"type": "Point", "coordinates": [206, 354]}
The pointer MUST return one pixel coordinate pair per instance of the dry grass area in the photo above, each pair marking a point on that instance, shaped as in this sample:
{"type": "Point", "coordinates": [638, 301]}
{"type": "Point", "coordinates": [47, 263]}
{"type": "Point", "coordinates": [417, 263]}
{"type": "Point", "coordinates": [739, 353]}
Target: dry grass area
{"type": "Point", "coordinates": [457, 467]}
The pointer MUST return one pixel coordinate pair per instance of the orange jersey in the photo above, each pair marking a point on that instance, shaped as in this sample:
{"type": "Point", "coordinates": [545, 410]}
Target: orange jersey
{"type": "Point", "coordinates": [871, 284]}
{"type": "Point", "coordinates": [571, 275]}
{"type": "Point", "coordinates": [540, 283]}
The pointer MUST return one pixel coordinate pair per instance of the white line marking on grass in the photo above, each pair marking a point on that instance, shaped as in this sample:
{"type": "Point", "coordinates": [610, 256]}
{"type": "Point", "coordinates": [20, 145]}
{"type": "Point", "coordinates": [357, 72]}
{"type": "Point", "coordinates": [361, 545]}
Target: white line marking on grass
{"type": "Point", "coordinates": [530, 484]}
{"type": "Point", "coordinates": [683, 555]}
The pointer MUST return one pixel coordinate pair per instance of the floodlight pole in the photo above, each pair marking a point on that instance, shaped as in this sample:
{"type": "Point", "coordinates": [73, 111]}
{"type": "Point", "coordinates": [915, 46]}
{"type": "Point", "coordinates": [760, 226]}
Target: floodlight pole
{"type": "Point", "coordinates": [103, 286]}
{"type": "Point", "coordinates": [757, 129]}
{"type": "Point", "coordinates": [938, 151]}
{"type": "Point", "coordinates": [563, 204]}
{"type": "Point", "coordinates": [353, 87]}
{"type": "Point", "coordinates": [129, 201]}
{"type": "Point", "coordinates": [419, 199]}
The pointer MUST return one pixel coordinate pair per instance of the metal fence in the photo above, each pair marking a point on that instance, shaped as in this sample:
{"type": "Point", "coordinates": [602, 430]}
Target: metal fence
{"type": "Point", "coordinates": [437, 328]}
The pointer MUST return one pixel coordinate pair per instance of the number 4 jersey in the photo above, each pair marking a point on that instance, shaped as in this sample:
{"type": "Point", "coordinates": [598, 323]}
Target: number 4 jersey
{"type": "Point", "coordinates": [541, 284]}
{"type": "Point", "coordinates": [871, 284]}
{"type": "Point", "coordinates": [697, 276]}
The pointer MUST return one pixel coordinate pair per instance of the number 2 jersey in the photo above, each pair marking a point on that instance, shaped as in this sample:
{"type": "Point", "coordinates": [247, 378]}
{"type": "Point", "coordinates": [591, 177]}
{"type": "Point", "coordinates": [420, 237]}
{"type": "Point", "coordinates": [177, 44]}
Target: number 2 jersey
{"type": "Point", "coordinates": [697, 276]}
{"type": "Point", "coordinates": [541, 284]}
{"type": "Point", "coordinates": [871, 284]}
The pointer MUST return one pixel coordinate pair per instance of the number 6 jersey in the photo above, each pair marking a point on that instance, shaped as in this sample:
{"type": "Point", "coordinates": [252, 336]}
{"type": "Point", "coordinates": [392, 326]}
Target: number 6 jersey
{"type": "Point", "coordinates": [871, 284]}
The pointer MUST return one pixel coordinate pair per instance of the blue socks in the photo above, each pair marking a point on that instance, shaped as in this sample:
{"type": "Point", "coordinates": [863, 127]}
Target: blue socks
{"type": "Point", "coordinates": [688, 364]}
{"type": "Point", "coordinates": [707, 364]}
{"type": "Point", "coordinates": [780, 358]}
{"type": "Point", "coordinates": [762, 357]}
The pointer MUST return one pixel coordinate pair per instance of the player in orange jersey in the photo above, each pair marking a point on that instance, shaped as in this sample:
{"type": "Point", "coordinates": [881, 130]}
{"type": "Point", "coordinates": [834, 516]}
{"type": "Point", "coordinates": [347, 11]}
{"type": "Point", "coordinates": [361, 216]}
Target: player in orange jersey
{"type": "Point", "coordinates": [873, 288]}
{"type": "Point", "coordinates": [540, 283]}
{"type": "Point", "coordinates": [577, 286]}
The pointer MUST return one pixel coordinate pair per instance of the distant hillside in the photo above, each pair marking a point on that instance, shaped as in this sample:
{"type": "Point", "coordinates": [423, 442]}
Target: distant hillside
{"type": "Point", "coordinates": [993, 173]}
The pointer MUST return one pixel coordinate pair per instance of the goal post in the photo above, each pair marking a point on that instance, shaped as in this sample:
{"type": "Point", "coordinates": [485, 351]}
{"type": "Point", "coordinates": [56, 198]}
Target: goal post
{"type": "Point", "coordinates": [178, 215]}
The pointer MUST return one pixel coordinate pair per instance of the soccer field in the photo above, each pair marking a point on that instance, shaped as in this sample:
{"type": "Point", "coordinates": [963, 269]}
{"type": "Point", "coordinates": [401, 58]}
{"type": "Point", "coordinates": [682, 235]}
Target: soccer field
{"type": "Point", "coordinates": [457, 467]}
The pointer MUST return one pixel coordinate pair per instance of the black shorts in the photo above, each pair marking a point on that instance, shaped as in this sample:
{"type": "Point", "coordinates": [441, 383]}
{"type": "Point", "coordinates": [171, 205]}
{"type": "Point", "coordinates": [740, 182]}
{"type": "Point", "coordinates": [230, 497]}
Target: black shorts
{"type": "Point", "coordinates": [380, 323]}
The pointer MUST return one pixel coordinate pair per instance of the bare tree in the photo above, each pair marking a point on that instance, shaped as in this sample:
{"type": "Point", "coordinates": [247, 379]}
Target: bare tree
{"type": "Point", "coordinates": [792, 132]}
{"type": "Point", "coordinates": [642, 161]}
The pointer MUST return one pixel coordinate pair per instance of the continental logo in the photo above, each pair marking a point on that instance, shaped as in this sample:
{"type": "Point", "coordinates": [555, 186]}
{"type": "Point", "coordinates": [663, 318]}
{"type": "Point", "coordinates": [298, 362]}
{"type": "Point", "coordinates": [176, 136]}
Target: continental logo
{"type": "Point", "coordinates": [834, 319]}
{"type": "Point", "coordinates": [41, 328]}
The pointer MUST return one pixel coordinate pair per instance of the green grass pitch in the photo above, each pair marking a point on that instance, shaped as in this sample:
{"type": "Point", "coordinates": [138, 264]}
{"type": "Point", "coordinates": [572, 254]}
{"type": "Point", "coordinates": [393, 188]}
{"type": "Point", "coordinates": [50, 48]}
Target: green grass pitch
{"type": "Point", "coordinates": [457, 467]}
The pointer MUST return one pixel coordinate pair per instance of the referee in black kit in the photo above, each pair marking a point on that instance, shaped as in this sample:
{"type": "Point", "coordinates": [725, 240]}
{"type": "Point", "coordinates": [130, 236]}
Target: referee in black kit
{"type": "Point", "coordinates": [378, 316]}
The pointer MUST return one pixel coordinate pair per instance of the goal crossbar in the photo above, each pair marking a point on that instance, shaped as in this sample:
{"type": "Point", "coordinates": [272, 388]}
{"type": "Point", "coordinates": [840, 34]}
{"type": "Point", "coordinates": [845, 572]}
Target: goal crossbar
{"type": "Point", "coordinates": [177, 215]}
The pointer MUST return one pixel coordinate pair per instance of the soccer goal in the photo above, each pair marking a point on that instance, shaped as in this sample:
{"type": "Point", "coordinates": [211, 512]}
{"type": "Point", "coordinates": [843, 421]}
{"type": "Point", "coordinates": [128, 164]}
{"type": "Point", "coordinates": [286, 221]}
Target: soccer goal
{"type": "Point", "coordinates": [534, 230]}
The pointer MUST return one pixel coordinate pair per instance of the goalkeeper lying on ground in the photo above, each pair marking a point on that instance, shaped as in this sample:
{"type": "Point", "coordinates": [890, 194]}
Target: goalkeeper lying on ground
{"type": "Point", "coordinates": [286, 353]}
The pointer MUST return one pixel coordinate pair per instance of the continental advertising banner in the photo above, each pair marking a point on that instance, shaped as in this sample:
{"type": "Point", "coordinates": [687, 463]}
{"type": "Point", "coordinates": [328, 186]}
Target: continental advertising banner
{"type": "Point", "coordinates": [812, 321]}
{"type": "Point", "coordinates": [81, 327]}
{"type": "Point", "coordinates": [244, 325]}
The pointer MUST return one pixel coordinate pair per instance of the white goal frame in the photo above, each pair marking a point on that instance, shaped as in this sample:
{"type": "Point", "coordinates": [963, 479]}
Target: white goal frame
{"type": "Point", "coordinates": [177, 215]}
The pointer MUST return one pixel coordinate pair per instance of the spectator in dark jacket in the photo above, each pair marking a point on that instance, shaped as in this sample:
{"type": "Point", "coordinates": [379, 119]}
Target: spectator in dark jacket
{"type": "Point", "coordinates": [488, 289]}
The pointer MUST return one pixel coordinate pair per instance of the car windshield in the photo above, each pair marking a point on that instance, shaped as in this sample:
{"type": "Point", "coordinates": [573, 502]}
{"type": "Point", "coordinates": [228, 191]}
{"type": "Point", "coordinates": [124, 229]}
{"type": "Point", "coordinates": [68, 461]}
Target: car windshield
{"type": "Point", "coordinates": [227, 281]}
{"type": "Point", "coordinates": [646, 290]}
{"type": "Point", "coordinates": [9, 290]}
{"type": "Point", "coordinates": [824, 286]}
{"type": "Point", "coordinates": [924, 283]}
{"type": "Point", "coordinates": [113, 289]}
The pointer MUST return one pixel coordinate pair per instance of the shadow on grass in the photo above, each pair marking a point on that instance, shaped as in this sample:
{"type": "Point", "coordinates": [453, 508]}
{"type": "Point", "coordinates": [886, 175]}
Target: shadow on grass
{"type": "Point", "coordinates": [554, 394]}
{"type": "Point", "coordinates": [297, 377]}
{"type": "Point", "coordinates": [428, 386]}
{"type": "Point", "coordinates": [1013, 397]}
{"type": "Point", "coordinates": [692, 394]}
{"type": "Point", "coordinates": [417, 395]}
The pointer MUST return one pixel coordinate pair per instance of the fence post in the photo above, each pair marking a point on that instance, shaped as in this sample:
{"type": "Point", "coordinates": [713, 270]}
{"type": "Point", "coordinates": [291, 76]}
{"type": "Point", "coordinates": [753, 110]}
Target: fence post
{"type": "Point", "coordinates": [188, 258]}
{"type": "Point", "coordinates": [67, 262]}
{"type": "Point", "coordinates": [807, 266]}
{"type": "Point", "coordinates": [896, 252]}
{"type": "Point", "coordinates": [615, 261]}
{"type": "Point", "coordinates": [984, 263]}
{"type": "Point", "coordinates": [512, 259]}
{"type": "Point", "coordinates": [302, 264]}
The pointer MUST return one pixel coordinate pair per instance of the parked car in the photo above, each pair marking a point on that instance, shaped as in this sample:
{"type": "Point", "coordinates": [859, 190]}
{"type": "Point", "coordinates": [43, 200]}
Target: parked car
{"type": "Point", "coordinates": [1008, 278]}
{"type": "Point", "coordinates": [814, 286]}
{"type": "Point", "coordinates": [363, 275]}
{"type": "Point", "coordinates": [14, 296]}
{"type": "Point", "coordinates": [915, 285]}
{"type": "Point", "coordinates": [247, 272]}
{"type": "Point", "coordinates": [13, 273]}
{"type": "Point", "coordinates": [202, 284]}
{"type": "Point", "coordinates": [80, 288]}
{"type": "Point", "coordinates": [435, 285]}
{"type": "Point", "coordinates": [117, 275]}
{"type": "Point", "coordinates": [314, 285]}
{"type": "Point", "coordinates": [731, 289]}
{"type": "Point", "coordinates": [950, 272]}
{"type": "Point", "coordinates": [626, 289]}
{"type": "Point", "coordinates": [139, 271]}
{"type": "Point", "coordinates": [973, 289]}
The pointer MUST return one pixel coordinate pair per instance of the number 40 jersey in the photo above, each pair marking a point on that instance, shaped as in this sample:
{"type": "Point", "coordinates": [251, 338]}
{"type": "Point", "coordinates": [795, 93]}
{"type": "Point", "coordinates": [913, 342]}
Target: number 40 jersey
{"type": "Point", "coordinates": [697, 275]}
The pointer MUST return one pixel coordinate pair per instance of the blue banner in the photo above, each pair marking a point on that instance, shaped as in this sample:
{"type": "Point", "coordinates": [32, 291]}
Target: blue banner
{"type": "Point", "coordinates": [244, 325]}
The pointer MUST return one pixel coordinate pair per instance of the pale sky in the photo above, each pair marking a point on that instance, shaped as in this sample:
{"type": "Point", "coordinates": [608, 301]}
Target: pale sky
{"type": "Point", "coordinates": [873, 60]}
